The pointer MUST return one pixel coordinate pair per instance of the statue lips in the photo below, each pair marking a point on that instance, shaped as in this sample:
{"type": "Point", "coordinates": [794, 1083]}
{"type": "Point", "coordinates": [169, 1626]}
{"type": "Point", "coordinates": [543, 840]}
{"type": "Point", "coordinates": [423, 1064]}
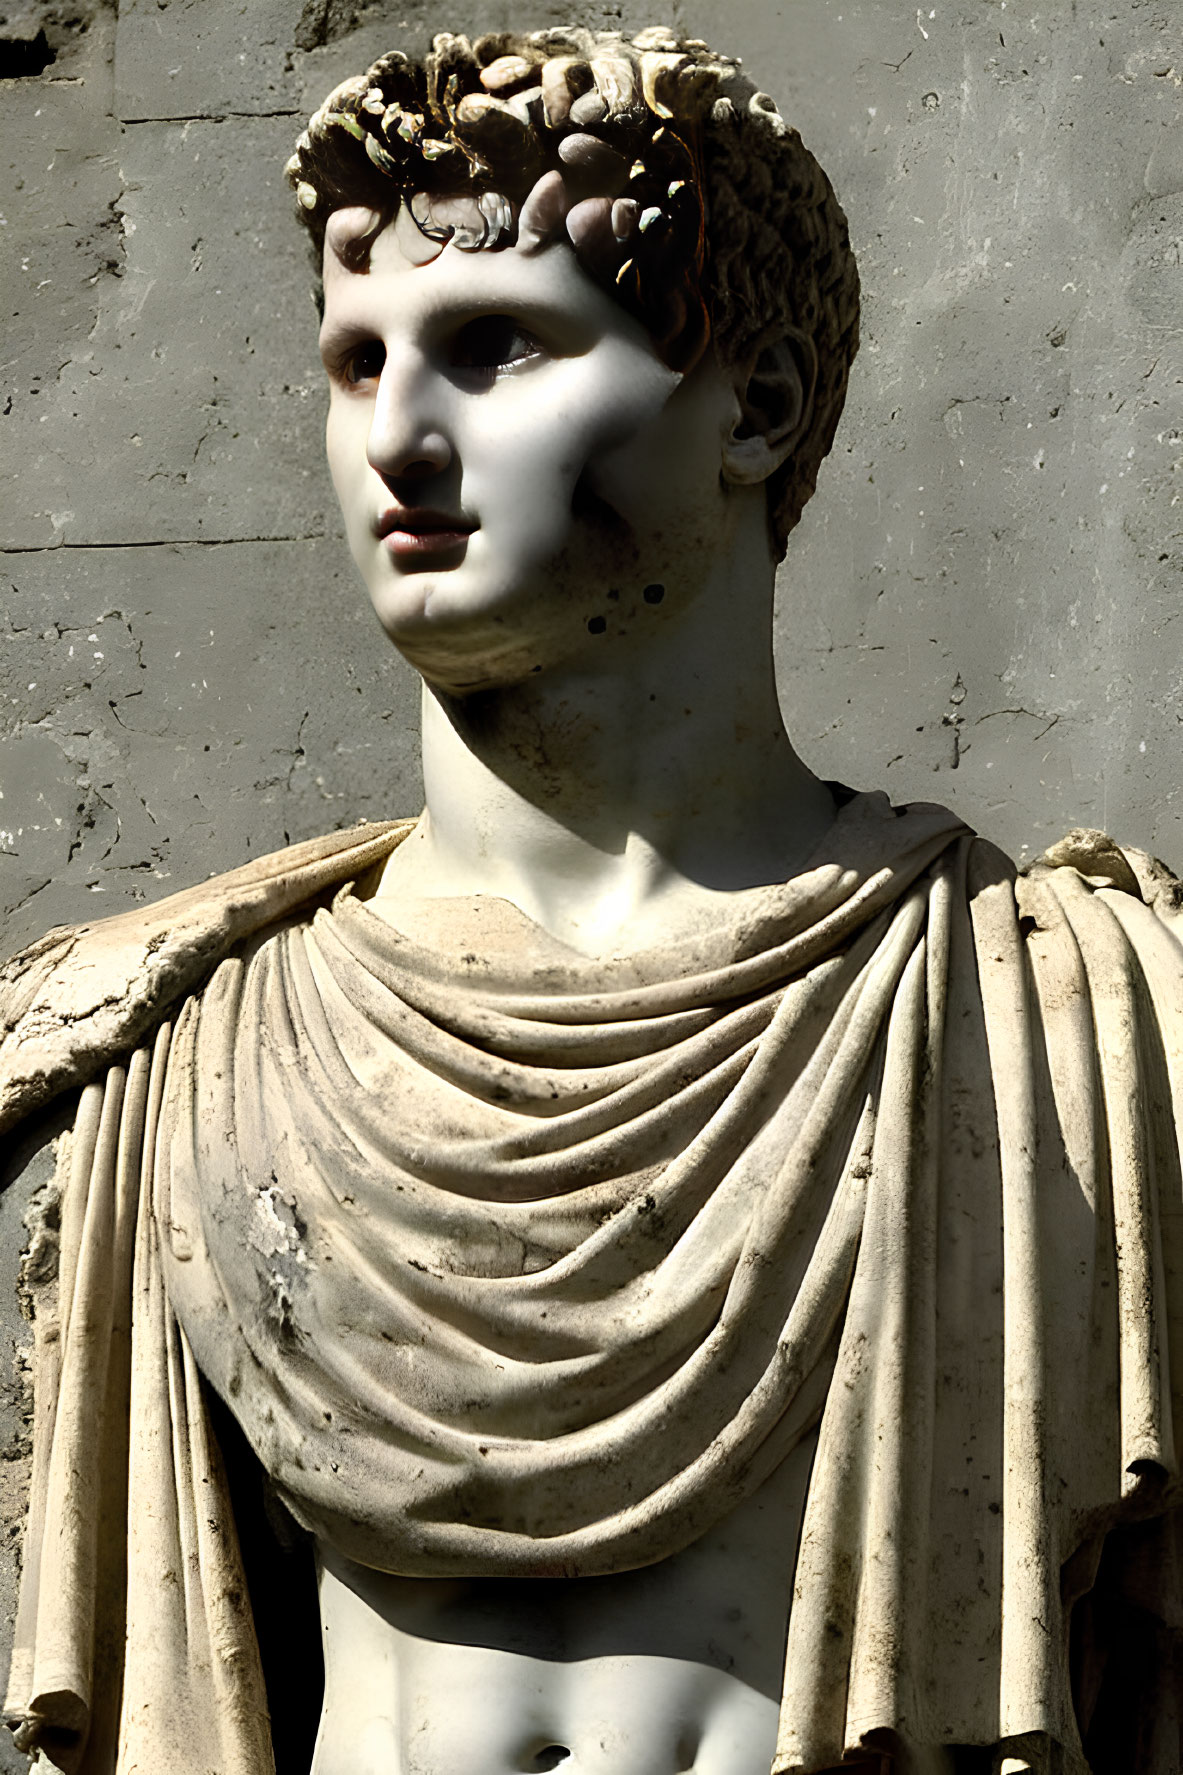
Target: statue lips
{"type": "Point", "coordinates": [414, 535]}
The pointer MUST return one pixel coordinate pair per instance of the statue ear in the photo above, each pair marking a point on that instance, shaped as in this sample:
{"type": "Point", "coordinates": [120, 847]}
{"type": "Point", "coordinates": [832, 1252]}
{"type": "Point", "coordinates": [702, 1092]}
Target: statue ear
{"type": "Point", "coordinates": [774, 389]}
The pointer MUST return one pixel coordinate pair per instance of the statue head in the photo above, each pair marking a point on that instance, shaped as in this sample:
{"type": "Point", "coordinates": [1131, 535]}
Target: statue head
{"type": "Point", "coordinates": [682, 189]}
{"type": "Point", "coordinates": [694, 224]}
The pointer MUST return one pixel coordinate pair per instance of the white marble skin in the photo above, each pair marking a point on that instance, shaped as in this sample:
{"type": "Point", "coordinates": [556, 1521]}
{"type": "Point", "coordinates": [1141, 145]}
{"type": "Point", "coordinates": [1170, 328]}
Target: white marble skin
{"type": "Point", "coordinates": [609, 764]}
{"type": "Point", "coordinates": [663, 1671]}
{"type": "Point", "coordinates": [569, 542]}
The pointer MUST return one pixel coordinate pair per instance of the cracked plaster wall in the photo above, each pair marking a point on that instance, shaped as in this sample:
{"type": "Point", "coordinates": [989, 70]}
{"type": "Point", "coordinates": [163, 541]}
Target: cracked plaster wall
{"type": "Point", "coordinates": [982, 604]}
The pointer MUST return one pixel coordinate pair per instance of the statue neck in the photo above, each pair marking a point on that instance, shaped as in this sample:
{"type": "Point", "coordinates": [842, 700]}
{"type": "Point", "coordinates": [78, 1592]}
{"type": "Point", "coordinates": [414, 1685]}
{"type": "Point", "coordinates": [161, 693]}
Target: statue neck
{"type": "Point", "coordinates": [615, 801]}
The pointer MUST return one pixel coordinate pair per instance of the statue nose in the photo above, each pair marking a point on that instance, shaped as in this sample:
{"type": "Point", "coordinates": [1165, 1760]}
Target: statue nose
{"type": "Point", "coordinates": [407, 440]}
{"type": "Point", "coordinates": [416, 468]}
{"type": "Point", "coordinates": [411, 453]}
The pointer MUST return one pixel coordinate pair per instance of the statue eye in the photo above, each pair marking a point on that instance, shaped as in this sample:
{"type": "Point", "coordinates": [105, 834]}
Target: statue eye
{"type": "Point", "coordinates": [365, 364]}
{"type": "Point", "coordinates": [491, 343]}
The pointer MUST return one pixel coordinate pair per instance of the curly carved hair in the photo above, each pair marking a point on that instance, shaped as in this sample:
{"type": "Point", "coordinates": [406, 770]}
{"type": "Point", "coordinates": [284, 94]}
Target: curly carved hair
{"type": "Point", "coordinates": [680, 186]}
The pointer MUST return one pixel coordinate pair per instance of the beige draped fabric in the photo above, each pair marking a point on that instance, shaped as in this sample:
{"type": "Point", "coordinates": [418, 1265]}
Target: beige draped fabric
{"type": "Point", "coordinates": [134, 1647]}
{"type": "Point", "coordinates": [512, 1262]}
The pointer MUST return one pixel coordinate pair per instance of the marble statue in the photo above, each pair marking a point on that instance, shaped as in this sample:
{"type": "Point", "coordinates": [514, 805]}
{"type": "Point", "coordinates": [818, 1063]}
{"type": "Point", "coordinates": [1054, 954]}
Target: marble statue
{"type": "Point", "coordinates": [697, 1248]}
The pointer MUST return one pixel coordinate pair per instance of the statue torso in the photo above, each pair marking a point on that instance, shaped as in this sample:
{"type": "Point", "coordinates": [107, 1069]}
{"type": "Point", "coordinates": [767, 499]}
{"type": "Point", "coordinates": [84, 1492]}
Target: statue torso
{"type": "Point", "coordinates": [311, 1099]}
{"type": "Point", "coordinates": [508, 1193]}
{"type": "Point", "coordinates": [673, 1668]}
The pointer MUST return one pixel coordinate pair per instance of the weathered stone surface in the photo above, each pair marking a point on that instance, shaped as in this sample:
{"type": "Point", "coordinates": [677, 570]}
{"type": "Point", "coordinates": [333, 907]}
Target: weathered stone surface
{"type": "Point", "coordinates": [981, 605]}
{"type": "Point", "coordinates": [61, 249]}
{"type": "Point", "coordinates": [157, 727]}
{"type": "Point", "coordinates": [24, 1175]}
{"type": "Point", "coordinates": [24, 48]}
{"type": "Point", "coordinates": [981, 584]}
{"type": "Point", "coordinates": [199, 374]}
{"type": "Point", "coordinates": [186, 58]}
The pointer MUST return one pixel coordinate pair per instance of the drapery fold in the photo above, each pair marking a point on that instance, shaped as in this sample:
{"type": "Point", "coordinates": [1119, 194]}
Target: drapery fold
{"type": "Point", "coordinates": [510, 1262]}
{"type": "Point", "coordinates": [134, 1646]}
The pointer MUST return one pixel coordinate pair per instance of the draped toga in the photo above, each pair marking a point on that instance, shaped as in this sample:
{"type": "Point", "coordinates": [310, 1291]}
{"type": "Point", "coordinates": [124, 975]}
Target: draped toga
{"type": "Point", "coordinates": [511, 1262]}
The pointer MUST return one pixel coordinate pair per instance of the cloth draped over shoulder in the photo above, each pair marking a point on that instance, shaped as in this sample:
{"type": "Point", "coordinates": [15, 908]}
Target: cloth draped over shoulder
{"type": "Point", "coordinates": [510, 1262]}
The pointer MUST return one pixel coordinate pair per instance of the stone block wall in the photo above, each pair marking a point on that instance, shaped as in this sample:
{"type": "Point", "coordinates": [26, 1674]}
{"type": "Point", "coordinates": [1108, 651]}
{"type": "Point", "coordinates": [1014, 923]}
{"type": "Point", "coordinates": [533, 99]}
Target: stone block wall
{"type": "Point", "coordinates": [982, 605]}
{"type": "Point", "coordinates": [978, 605]}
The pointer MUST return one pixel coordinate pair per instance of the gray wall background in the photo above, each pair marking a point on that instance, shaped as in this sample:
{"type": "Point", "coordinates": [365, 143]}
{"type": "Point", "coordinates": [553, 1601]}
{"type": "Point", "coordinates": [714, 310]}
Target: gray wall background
{"type": "Point", "coordinates": [982, 605]}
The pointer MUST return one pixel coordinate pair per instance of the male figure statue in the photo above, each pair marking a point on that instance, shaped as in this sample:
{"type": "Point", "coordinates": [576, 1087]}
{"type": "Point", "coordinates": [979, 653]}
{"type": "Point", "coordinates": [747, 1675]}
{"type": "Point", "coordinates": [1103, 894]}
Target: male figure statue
{"type": "Point", "coordinates": [697, 1247]}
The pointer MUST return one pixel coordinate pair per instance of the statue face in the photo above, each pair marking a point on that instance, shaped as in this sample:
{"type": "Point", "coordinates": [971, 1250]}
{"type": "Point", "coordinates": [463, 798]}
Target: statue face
{"type": "Point", "coordinates": [515, 465]}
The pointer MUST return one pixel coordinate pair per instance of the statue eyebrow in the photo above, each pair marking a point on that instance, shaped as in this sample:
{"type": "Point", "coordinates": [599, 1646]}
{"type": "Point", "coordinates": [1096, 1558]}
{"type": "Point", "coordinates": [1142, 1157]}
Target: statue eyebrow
{"type": "Point", "coordinates": [337, 337]}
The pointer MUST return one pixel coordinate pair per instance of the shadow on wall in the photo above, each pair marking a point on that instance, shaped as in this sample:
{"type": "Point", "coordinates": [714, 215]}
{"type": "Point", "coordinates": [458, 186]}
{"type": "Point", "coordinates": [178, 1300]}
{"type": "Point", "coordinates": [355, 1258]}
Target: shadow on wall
{"type": "Point", "coordinates": [24, 49]}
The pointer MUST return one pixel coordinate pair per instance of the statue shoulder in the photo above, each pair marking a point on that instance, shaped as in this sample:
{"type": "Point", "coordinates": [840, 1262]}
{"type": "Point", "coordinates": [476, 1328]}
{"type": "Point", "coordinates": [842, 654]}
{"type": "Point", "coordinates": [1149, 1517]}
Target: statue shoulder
{"type": "Point", "coordinates": [85, 993]}
{"type": "Point", "coordinates": [1125, 875]}
{"type": "Point", "coordinates": [1104, 863]}
{"type": "Point", "coordinates": [1103, 921]}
